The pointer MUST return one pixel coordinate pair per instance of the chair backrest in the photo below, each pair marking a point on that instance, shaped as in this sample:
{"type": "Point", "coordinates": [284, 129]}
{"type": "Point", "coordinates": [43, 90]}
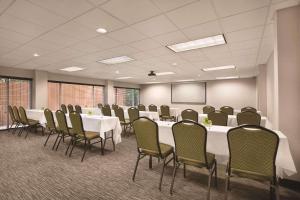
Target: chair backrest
{"type": "Point", "coordinates": [76, 122]}
{"type": "Point", "coordinates": [218, 118]}
{"type": "Point", "coordinates": [141, 107]}
{"type": "Point", "coordinates": [253, 149]}
{"type": "Point", "coordinates": [78, 109]}
{"type": "Point", "coordinates": [208, 109]}
{"type": "Point", "coordinates": [106, 110]}
{"type": "Point", "coordinates": [17, 114]}
{"type": "Point", "coordinates": [146, 132]}
{"type": "Point", "coordinates": [114, 106]}
{"type": "Point", "coordinates": [152, 108]}
{"type": "Point", "coordinates": [189, 114]}
{"type": "Point", "coordinates": [49, 119]}
{"type": "Point", "coordinates": [248, 117]}
{"type": "Point", "coordinates": [119, 112]}
{"type": "Point", "coordinates": [23, 115]}
{"type": "Point", "coordinates": [190, 141]}
{"type": "Point", "coordinates": [133, 114]}
{"type": "Point", "coordinates": [165, 110]}
{"type": "Point", "coordinates": [62, 123]}
{"type": "Point", "coordinates": [227, 109]}
{"type": "Point", "coordinates": [100, 105]}
{"type": "Point", "coordinates": [64, 108]}
{"type": "Point", "coordinates": [248, 108]}
{"type": "Point", "coordinates": [11, 114]}
{"type": "Point", "coordinates": [70, 108]}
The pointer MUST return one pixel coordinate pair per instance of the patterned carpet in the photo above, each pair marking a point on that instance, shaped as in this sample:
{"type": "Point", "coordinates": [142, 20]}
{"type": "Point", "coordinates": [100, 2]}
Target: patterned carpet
{"type": "Point", "coordinates": [30, 171]}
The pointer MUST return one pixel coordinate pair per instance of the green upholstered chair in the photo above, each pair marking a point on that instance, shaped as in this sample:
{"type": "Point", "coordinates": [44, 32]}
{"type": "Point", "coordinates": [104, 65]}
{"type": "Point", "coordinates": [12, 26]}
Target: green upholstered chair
{"type": "Point", "coordinates": [64, 108]}
{"type": "Point", "coordinates": [141, 107]}
{"type": "Point", "coordinates": [100, 105]}
{"type": "Point", "coordinates": [207, 109]}
{"type": "Point", "coordinates": [133, 114]}
{"type": "Point", "coordinates": [27, 123]}
{"type": "Point", "coordinates": [218, 118]}
{"type": "Point", "coordinates": [18, 118]}
{"type": "Point", "coordinates": [106, 111]}
{"type": "Point", "coordinates": [227, 109]}
{"type": "Point", "coordinates": [70, 108]}
{"type": "Point", "coordinates": [13, 119]}
{"type": "Point", "coordinates": [78, 109]}
{"type": "Point", "coordinates": [248, 117]}
{"type": "Point", "coordinates": [119, 112]}
{"type": "Point", "coordinates": [252, 154]}
{"type": "Point", "coordinates": [114, 106]}
{"type": "Point", "coordinates": [190, 149]}
{"type": "Point", "coordinates": [146, 132]}
{"type": "Point", "coordinates": [50, 125]}
{"type": "Point", "coordinates": [165, 113]}
{"type": "Point", "coordinates": [189, 114]}
{"type": "Point", "coordinates": [248, 108]}
{"type": "Point", "coordinates": [63, 129]}
{"type": "Point", "coordinates": [152, 108]}
{"type": "Point", "coordinates": [81, 135]}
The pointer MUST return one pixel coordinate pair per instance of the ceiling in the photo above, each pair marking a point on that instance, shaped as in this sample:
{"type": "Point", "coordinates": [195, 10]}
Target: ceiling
{"type": "Point", "coordinates": [63, 33]}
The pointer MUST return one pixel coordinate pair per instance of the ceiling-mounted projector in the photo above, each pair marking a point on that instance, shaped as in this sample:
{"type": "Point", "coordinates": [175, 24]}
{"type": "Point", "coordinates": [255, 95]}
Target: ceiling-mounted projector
{"type": "Point", "coordinates": [152, 73]}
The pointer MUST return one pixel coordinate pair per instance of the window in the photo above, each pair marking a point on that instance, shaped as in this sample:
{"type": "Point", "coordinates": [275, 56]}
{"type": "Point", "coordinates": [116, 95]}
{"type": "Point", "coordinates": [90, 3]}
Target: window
{"type": "Point", "coordinates": [75, 94]}
{"type": "Point", "coordinates": [14, 92]}
{"type": "Point", "coordinates": [127, 96]}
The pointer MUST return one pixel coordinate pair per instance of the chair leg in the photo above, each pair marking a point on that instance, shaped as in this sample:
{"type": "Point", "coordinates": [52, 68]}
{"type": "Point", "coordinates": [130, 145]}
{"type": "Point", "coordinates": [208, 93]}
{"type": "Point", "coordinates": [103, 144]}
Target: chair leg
{"type": "Point", "coordinates": [85, 148]}
{"type": "Point", "coordinates": [55, 141]}
{"type": "Point", "coordinates": [150, 162]}
{"type": "Point", "coordinates": [61, 137]}
{"type": "Point", "coordinates": [274, 189]}
{"type": "Point", "coordinates": [47, 138]}
{"type": "Point", "coordinates": [209, 182]}
{"type": "Point", "coordinates": [74, 143]}
{"type": "Point", "coordinates": [102, 147]}
{"type": "Point", "coordinates": [227, 181]}
{"type": "Point", "coordinates": [162, 173]}
{"type": "Point", "coordinates": [27, 132]}
{"type": "Point", "coordinates": [216, 175]}
{"type": "Point", "coordinates": [136, 166]}
{"type": "Point", "coordinates": [184, 171]}
{"type": "Point", "coordinates": [71, 142]}
{"type": "Point", "coordinates": [112, 140]}
{"type": "Point", "coordinates": [173, 179]}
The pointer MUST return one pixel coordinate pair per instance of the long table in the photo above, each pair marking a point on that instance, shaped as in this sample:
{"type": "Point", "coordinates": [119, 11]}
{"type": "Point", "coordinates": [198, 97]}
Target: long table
{"type": "Point", "coordinates": [217, 144]}
{"type": "Point", "coordinates": [95, 123]}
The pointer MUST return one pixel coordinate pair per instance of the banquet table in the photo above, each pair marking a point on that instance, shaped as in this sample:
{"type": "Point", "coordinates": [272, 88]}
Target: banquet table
{"type": "Point", "coordinates": [96, 123]}
{"type": "Point", "coordinates": [94, 110]}
{"type": "Point", "coordinates": [152, 115]}
{"type": "Point", "coordinates": [217, 144]}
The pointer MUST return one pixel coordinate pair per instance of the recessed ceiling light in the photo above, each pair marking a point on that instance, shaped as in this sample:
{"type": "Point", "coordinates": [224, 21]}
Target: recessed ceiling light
{"type": "Point", "coordinates": [152, 82]}
{"type": "Point", "coordinates": [187, 80]}
{"type": "Point", "coordinates": [125, 77]}
{"type": "Point", "coordinates": [174, 64]}
{"type": "Point", "coordinates": [101, 30]}
{"type": "Point", "coordinates": [164, 73]}
{"type": "Point", "coordinates": [200, 43]}
{"type": "Point", "coordinates": [116, 60]}
{"type": "Point", "coordinates": [36, 55]}
{"type": "Point", "coordinates": [219, 68]}
{"type": "Point", "coordinates": [227, 77]}
{"type": "Point", "coordinates": [117, 72]}
{"type": "Point", "coordinates": [72, 69]}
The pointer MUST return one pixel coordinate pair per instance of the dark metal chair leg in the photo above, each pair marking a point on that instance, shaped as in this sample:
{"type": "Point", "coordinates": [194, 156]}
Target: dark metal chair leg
{"type": "Point", "coordinates": [162, 174]}
{"type": "Point", "coordinates": [27, 132]}
{"type": "Point", "coordinates": [47, 138]}
{"type": "Point", "coordinates": [173, 179]}
{"type": "Point", "coordinates": [211, 171]}
{"type": "Point", "coordinates": [136, 166]}
{"type": "Point", "coordinates": [71, 142]}
{"type": "Point", "coordinates": [184, 170]}
{"type": "Point", "coordinates": [216, 175]}
{"type": "Point", "coordinates": [150, 162]}
{"type": "Point", "coordinates": [85, 148]}
{"type": "Point", "coordinates": [58, 142]}
{"type": "Point", "coordinates": [55, 141]}
{"type": "Point", "coordinates": [227, 181]}
{"type": "Point", "coordinates": [112, 140]}
{"type": "Point", "coordinates": [74, 143]}
{"type": "Point", "coordinates": [102, 147]}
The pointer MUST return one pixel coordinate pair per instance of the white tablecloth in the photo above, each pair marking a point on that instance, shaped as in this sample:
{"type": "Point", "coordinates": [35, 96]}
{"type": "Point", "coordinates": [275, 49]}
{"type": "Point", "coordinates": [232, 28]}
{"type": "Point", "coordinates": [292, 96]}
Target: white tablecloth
{"type": "Point", "coordinates": [217, 144]}
{"type": "Point", "coordinates": [152, 115]}
{"type": "Point", "coordinates": [95, 123]}
{"type": "Point", "coordinates": [95, 111]}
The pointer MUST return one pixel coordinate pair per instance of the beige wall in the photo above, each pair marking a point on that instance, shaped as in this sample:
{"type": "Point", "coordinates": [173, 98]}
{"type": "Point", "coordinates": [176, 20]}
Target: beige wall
{"type": "Point", "coordinates": [288, 42]}
{"type": "Point", "coordinates": [261, 84]}
{"type": "Point", "coordinates": [10, 71]}
{"type": "Point", "coordinates": [270, 86]}
{"type": "Point", "coordinates": [236, 92]}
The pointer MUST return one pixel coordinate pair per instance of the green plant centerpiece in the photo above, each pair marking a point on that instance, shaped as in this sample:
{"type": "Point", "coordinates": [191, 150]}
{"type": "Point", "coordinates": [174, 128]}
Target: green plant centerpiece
{"type": "Point", "coordinates": [207, 122]}
{"type": "Point", "coordinates": [89, 112]}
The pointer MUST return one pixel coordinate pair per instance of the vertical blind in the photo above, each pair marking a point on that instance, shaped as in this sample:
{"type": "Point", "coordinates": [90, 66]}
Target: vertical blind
{"type": "Point", "coordinates": [75, 94]}
{"type": "Point", "coordinates": [127, 96]}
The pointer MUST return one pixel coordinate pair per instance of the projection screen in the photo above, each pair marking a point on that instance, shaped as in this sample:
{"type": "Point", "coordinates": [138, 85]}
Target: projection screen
{"type": "Point", "coordinates": [188, 93]}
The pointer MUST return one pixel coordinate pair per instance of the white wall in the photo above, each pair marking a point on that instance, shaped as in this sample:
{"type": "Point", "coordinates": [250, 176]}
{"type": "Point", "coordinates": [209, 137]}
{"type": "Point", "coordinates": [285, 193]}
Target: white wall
{"type": "Point", "coordinates": [235, 92]}
{"type": "Point", "coordinates": [261, 85]}
{"type": "Point", "coordinates": [270, 89]}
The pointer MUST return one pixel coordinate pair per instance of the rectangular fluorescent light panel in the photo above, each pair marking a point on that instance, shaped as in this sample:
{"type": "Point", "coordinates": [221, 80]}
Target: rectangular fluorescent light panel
{"type": "Point", "coordinates": [72, 69]}
{"type": "Point", "coordinates": [126, 77]}
{"type": "Point", "coordinates": [164, 73]}
{"type": "Point", "coordinates": [197, 44]}
{"type": "Point", "coordinates": [219, 68]}
{"type": "Point", "coordinates": [187, 80]}
{"type": "Point", "coordinates": [152, 82]}
{"type": "Point", "coordinates": [116, 60]}
{"type": "Point", "coordinates": [227, 77]}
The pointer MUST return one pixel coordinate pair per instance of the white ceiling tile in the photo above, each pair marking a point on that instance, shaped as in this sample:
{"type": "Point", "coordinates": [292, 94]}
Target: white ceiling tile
{"type": "Point", "coordinates": [193, 14]}
{"type": "Point", "coordinates": [244, 45]}
{"type": "Point", "coordinates": [245, 52]}
{"type": "Point", "coordinates": [166, 5]}
{"type": "Point", "coordinates": [217, 52]}
{"type": "Point", "coordinates": [99, 19]}
{"type": "Point", "coordinates": [203, 30]}
{"type": "Point", "coordinates": [126, 35]}
{"type": "Point", "coordinates": [34, 14]}
{"type": "Point", "coordinates": [145, 45]}
{"type": "Point", "coordinates": [245, 20]}
{"type": "Point", "coordinates": [103, 42]}
{"type": "Point", "coordinates": [14, 36]}
{"type": "Point", "coordinates": [4, 4]}
{"type": "Point", "coordinates": [170, 38]}
{"type": "Point", "coordinates": [155, 26]}
{"type": "Point", "coordinates": [97, 2]}
{"type": "Point", "coordinates": [131, 11]}
{"type": "Point", "coordinates": [77, 30]}
{"type": "Point", "coordinates": [244, 35]}
{"type": "Point", "coordinates": [193, 55]}
{"type": "Point", "coordinates": [65, 8]}
{"type": "Point", "coordinates": [231, 7]}
{"type": "Point", "coordinates": [59, 38]}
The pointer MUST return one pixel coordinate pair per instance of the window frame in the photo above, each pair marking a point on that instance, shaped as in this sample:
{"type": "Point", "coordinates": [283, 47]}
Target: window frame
{"type": "Point", "coordinates": [117, 87]}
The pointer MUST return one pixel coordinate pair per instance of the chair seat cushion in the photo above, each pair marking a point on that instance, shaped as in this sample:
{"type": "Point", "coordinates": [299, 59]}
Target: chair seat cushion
{"type": "Point", "coordinates": [165, 149]}
{"type": "Point", "coordinates": [251, 175]}
{"type": "Point", "coordinates": [126, 122]}
{"type": "Point", "coordinates": [91, 135]}
{"type": "Point", "coordinates": [33, 122]}
{"type": "Point", "coordinates": [210, 161]}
